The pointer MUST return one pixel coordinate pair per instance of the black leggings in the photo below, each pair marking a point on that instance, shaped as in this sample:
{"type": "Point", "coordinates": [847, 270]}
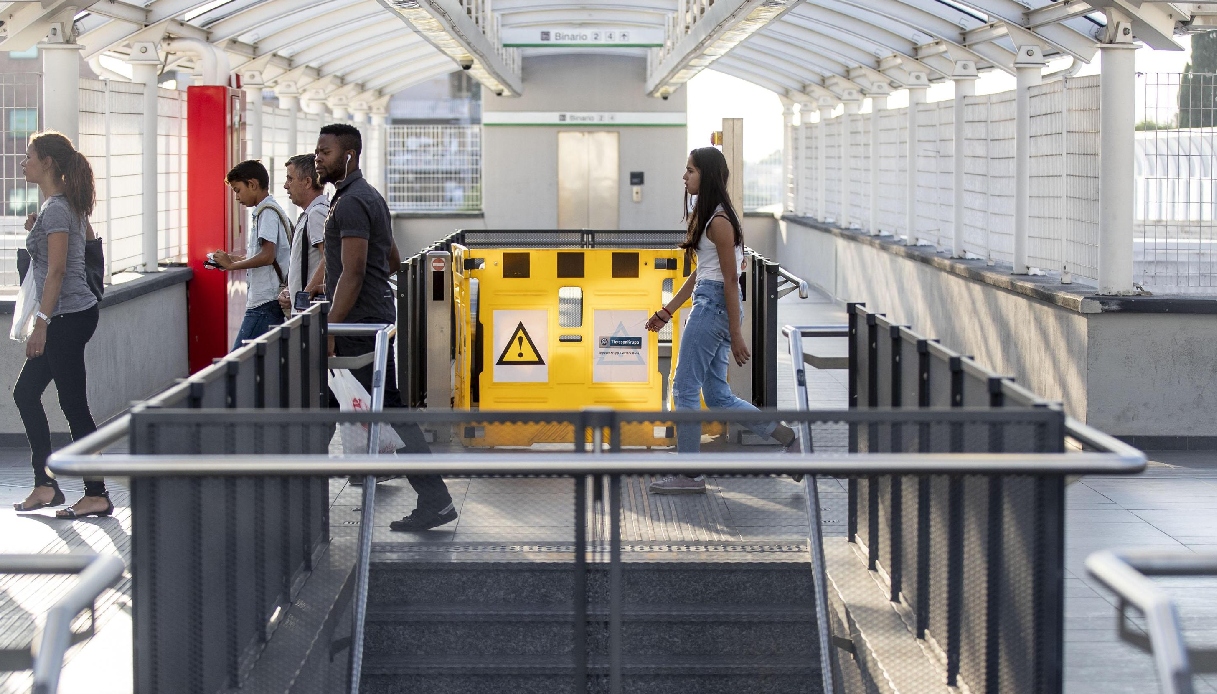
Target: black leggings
{"type": "Point", "coordinates": [63, 361]}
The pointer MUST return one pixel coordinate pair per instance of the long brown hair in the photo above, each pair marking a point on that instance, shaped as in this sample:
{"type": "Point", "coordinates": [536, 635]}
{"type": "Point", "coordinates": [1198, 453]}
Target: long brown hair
{"type": "Point", "coordinates": [71, 166]}
{"type": "Point", "coordinates": [711, 192]}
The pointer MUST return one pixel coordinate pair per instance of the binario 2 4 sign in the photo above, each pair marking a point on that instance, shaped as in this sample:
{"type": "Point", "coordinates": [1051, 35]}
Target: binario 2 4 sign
{"type": "Point", "coordinates": [575, 36]}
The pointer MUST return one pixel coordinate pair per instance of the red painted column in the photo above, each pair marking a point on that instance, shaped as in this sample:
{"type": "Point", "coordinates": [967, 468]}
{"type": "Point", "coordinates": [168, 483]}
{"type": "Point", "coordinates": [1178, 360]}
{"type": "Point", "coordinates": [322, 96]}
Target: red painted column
{"type": "Point", "coordinates": [215, 220]}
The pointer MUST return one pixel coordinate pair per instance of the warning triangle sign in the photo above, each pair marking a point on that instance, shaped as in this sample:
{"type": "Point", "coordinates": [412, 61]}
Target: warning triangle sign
{"type": "Point", "coordinates": [520, 350]}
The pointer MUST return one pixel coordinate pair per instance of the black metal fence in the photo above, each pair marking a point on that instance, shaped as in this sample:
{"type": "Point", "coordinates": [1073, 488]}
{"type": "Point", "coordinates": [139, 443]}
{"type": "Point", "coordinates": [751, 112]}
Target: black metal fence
{"type": "Point", "coordinates": [978, 560]}
{"type": "Point", "coordinates": [217, 562]}
{"type": "Point", "coordinates": [761, 285]}
{"type": "Point", "coordinates": [205, 535]}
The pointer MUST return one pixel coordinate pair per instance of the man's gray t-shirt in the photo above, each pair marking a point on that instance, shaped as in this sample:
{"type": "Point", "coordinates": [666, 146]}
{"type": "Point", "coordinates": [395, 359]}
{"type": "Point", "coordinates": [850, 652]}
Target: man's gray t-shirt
{"type": "Point", "coordinates": [268, 226]}
{"type": "Point", "coordinates": [57, 216]}
{"type": "Point", "coordinates": [312, 219]}
{"type": "Point", "coordinates": [359, 211]}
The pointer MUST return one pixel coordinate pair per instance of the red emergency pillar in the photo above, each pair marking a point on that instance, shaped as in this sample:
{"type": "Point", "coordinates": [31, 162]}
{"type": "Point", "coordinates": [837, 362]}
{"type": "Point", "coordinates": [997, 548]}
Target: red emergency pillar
{"type": "Point", "coordinates": [215, 220]}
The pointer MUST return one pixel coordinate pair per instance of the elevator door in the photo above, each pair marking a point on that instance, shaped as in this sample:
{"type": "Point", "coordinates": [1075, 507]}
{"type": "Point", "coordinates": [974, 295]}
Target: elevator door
{"type": "Point", "coordinates": [588, 186]}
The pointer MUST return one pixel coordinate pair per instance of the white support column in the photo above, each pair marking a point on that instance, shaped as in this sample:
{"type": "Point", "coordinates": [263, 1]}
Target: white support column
{"type": "Point", "coordinates": [379, 150]}
{"type": "Point", "coordinates": [800, 161]}
{"type": "Point", "coordinates": [916, 98]}
{"type": "Point", "coordinates": [145, 66]}
{"type": "Point", "coordinates": [253, 99]}
{"type": "Point", "coordinates": [965, 85]}
{"type": "Point", "coordinates": [61, 87]}
{"type": "Point", "coordinates": [369, 161]}
{"type": "Point", "coordinates": [822, 163]}
{"type": "Point", "coordinates": [1028, 67]}
{"type": "Point", "coordinates": [847, 156]}
{"type": "Point", "coordinates": [878, 102]}
{"type": "Point", "coordinates": [289, 100]}
{"type": "Point", "coordinates": [1117, 148]}
{"type": "Point", "coordinates": [788, 158]}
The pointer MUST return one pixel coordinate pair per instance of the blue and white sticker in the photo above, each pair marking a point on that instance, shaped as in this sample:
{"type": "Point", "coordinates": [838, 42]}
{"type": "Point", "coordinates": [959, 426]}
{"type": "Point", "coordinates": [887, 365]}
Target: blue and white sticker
{"type": "Point", "coordinates": [621, 354]}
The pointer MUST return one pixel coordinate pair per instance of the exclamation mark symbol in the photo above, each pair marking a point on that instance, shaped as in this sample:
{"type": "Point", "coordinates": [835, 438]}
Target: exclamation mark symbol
{"type": "Point", "coordinates": [520, 339]}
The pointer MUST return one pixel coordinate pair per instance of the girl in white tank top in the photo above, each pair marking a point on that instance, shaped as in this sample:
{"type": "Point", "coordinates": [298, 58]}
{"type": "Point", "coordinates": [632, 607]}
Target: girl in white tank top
{"type": "Point", "coordinates": [713, 334]}
{"type": "Point", "coordinates": [709, 267]}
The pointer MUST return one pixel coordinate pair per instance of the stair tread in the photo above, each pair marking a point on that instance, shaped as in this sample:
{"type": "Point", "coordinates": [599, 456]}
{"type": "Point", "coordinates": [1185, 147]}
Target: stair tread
{"type": "Point", "coordinates": [393, 613]}
{"type": "Point", "coordinates": [531, 664]}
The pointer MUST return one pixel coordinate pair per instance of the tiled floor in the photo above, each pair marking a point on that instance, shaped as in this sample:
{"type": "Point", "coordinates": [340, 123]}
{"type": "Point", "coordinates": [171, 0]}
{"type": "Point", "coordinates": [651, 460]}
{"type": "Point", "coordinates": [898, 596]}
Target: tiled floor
{"type": "Point", "coordinates": [1174, 504]}
{"type": "Point", "coordinates": [1171, 505]}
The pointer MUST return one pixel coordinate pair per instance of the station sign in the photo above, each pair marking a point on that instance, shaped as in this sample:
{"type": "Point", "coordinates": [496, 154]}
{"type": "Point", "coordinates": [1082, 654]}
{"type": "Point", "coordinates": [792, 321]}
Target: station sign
{"type": "Point", "coordinates": [619, 118]}
{"type": "Point", "coordinates": [576, 36]}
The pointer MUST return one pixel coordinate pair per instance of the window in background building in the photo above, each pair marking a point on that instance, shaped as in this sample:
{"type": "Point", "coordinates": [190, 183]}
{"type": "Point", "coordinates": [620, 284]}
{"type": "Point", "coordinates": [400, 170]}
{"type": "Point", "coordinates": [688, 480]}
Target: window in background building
{"type": "Point", "coordinates": [435, 168]}
{"type": "Point", "coordinates": [22, 122]}
{"type": "Point", "coordinates": [763, 182]}
{"type": "Point", "coordinates": [21, 201]}
{"type": "Point", "coordinates": [434, 157]}
{"type": "Point", "coordinates": [28, 54]}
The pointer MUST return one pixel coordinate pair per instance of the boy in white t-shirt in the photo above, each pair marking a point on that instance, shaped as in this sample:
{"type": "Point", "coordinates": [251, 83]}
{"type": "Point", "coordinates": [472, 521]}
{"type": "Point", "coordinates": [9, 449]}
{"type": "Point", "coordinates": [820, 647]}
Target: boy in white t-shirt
{"type": "Point", "coordinates": [266, 255]}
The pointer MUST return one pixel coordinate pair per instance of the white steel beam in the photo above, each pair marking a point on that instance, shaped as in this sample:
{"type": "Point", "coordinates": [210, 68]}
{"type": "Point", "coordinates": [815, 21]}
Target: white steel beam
{"type": "Point", "coordinates": [446, 25]}
{"type": "Point", "coordinates": [723, 26]}
{"type": "Point", "coordinates": [254, 16]}
{"type": "Point", "coordinates": [28, 23]}
{"type": "Point", "coordinates": [117, 9]}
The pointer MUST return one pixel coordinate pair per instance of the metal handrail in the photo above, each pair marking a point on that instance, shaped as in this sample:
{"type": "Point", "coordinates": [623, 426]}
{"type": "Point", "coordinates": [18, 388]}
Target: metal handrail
{"type": "Point", "coordinates": [815, 535]}
{"type": "Point", "coordinates": [832, 464]}
{"type": "Point", "coordinates": [804, 288]}
{"type": "Point", "coordinates": [53, 638]}
{"type": "Point", "coordinates": [384, 332]}
{"type": "Point", "coordinates": [1125, 572]}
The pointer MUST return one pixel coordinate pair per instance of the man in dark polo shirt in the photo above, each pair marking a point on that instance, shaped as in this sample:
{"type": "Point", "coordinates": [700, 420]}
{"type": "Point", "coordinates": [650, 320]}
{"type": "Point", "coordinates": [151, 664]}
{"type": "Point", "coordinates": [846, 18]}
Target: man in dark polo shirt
{"type": "Point", "coordinates": [359, 255]}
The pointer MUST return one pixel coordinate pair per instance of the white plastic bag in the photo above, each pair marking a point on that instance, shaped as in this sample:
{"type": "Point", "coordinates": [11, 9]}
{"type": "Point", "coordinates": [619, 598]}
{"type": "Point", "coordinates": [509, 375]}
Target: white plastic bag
{"type": "Point", "coordinates": [25, 308]}
{"type": "Point", "coordinates": [353, 397]}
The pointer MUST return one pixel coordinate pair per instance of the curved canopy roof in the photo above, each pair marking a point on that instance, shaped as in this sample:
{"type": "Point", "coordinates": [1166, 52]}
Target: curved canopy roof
{"type": "Point", "coordinates": [358, 53]}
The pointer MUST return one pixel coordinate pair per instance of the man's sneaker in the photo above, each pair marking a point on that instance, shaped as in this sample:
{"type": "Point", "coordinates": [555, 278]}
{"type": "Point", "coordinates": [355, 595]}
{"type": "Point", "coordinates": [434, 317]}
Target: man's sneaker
{"type": "Point", "coordinates": [424, 520]}
{"type": "Point", "coordinates": [679, 484]}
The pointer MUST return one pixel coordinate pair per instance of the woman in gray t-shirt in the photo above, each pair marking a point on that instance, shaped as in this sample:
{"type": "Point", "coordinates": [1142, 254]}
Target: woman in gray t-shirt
{"type": "Point", "coordinates": [66, 319]}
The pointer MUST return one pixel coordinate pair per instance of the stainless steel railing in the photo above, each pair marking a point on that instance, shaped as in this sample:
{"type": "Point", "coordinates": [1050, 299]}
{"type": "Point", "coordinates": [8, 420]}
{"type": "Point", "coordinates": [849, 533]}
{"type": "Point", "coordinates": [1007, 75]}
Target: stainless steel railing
{"type": "Point", "coordinates": [380, 356]}
{"type": "Point", "coordinates": [54, 636]}
{"type": "Point", "coordinates": [1126, 573]}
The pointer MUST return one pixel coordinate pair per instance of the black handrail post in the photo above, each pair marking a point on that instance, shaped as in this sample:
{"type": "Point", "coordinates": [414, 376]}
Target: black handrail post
{"type": "Point", "coordinates": [769, 299]}
{"type": "Point", "coordinates": [580, 587]}
{"type": "Point", "coordinates": [306, 359]}
{"type": "Point", "coordinates": [853, 310]}
{"type": "Point", "coordinates": [955, 501]}
{"type": "Point", "coordinates": [923, 495]}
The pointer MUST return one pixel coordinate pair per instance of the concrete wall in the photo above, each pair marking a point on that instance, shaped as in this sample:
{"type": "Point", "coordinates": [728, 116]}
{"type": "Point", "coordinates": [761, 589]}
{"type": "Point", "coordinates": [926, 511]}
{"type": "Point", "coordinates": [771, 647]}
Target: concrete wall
{"type": "Point", "coordinates": [1153, 375]}
{"type": "Point", "coordinates": [760, 232]}
{"type": "Point", "coordinates": [1133, 367]}
{"type": "Point", "coordinates": [415, 232]}
{"type": "Point", "coordinates": [138, 350]}
{"type": "Point", "coordinates": [520, 163]}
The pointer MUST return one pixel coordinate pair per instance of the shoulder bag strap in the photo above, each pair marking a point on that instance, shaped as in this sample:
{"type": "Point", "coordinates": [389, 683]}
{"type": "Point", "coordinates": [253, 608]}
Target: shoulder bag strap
{"type": "Point", "coordinates": [275, 262]}
{"type": "Point", "coordinates": [305, 246]}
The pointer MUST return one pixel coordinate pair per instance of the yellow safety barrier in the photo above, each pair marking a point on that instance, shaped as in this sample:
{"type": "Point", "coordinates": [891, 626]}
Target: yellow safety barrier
{"type": "Point", "coordinates": [560, 329]}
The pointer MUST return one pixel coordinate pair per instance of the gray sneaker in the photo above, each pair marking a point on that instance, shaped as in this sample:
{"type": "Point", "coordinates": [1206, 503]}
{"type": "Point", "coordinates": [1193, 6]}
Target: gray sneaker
{"type": "Point", "coordinates": [679, 484]}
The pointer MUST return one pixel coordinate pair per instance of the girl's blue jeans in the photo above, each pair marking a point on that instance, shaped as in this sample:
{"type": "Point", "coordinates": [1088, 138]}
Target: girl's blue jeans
{"type": "Point", "coordinates": [701, 366]}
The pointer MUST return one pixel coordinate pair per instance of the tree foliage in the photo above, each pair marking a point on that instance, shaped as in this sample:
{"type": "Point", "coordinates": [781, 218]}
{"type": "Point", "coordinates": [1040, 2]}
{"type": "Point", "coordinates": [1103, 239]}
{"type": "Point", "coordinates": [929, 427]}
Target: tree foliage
{"type": "Point", "coordinates": [1196, 93]}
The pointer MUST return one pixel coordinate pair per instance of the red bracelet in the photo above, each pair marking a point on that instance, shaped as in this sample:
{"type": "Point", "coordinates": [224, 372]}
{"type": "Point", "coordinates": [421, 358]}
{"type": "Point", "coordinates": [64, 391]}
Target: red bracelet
{"type": "Point", "coordinates": [665, 310]}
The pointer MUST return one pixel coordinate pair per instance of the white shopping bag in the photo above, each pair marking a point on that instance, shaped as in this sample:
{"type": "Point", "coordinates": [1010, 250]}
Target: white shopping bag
{"type": "Point", "coordinates": [352, 397]}
{"type": "Point", "coordinates": [25, 309]}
